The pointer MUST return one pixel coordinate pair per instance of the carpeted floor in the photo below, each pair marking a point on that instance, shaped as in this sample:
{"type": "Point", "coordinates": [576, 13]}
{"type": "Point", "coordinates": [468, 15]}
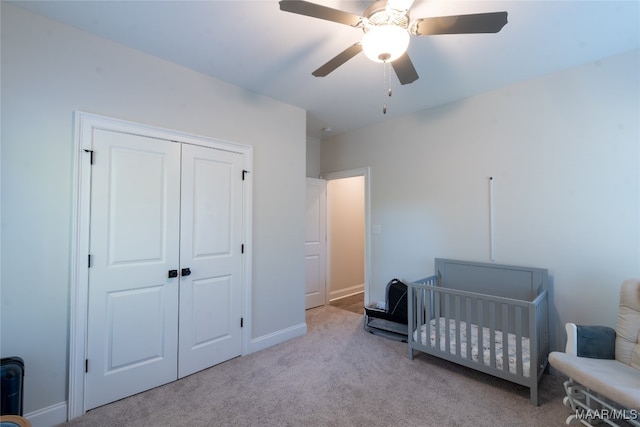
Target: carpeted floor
{"type": "Point", "coordinates": [336, 375]}
{"type": "Point", "coordinates": [352, 303]}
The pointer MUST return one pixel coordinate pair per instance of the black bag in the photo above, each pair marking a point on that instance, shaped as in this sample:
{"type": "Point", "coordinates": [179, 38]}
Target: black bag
{"type": "Point", "coordinates": [11, 379]}
{"type": "Point", "coordinates": [397, 301]}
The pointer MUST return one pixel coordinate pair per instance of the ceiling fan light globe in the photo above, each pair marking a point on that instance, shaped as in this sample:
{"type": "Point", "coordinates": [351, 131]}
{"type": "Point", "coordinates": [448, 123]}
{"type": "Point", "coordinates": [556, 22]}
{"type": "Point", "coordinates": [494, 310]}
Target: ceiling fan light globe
{"type": "Point", "coordinates": [385, 43]}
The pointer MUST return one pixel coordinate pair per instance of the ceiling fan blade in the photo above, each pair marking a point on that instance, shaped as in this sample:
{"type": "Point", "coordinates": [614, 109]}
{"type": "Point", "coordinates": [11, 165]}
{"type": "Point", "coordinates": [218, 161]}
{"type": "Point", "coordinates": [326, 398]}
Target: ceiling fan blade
{"type": "Point", "coordinates": [461, 24]}
{"type": "Point", "coordinates": [340, 59]}
{"type": "Point", "coordinates": [404, 69]}
{"type": "Point", "coordinates": [321, 12]}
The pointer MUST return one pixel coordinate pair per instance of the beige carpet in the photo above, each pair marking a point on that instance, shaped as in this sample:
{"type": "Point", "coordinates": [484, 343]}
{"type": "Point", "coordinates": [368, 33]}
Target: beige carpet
{"type": "Point", "coordinates": [336, 375]}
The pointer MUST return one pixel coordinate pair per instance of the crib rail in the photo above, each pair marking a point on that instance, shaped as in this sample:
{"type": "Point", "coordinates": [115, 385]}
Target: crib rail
{"type": "Point", "coordinates": [460, 310]}
{"type": "Point", "coordinates": [541, 318]}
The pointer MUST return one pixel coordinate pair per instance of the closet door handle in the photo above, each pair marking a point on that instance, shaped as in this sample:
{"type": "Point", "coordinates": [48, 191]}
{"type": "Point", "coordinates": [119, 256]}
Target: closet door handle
{"type": "Point", "coordinates": [186, 271]}
{"type": "Point", "coordinates": [173, 273]}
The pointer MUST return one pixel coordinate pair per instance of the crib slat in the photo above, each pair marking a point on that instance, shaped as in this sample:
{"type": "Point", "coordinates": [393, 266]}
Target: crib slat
{"type": "Point", "coordinates": [414, 319]}
{"type": "Point", "coordinates": [518, 332]}
{"type": "Point", "coordinates": [436, 310]}
{"type": "Point", "coordinates": [480, 323]}
{"type": "Point", "coordinates": [411, 311]}
{"type": "Point", "coordinates": [492, 334]}
{"type": "Point", "coordinates": [447, 333]}
{"type": "Point", "coordinates": [426, 302]}
{"type": "Point", "coordinates": [414, 330]}
{"type": "Point", "coordinates": [505, 337]}
{"type": "Point", "coordinates": [457, 314]}
{"type": "Point", "coordinates": [416, 314]}
{"type": "Point", "coordinates": [421, 314]}
{"type": "Point", "coordinates": [468, 331]}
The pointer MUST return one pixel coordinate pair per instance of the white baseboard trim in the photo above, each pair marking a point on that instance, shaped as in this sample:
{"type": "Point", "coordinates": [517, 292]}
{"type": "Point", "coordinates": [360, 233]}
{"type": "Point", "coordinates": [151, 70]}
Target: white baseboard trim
{"type": "Point", "coordinates": [49, 416]}
{"type": "Point", "coordinates": [278, 337]}
{"type": "Point", "coordinates": [346, 292]}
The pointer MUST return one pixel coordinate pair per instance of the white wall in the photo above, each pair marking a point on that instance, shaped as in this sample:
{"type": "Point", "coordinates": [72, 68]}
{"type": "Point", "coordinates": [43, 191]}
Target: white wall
{"type": "Point", "coordinates": [48, 71]}
{"type": "Point", "coordinates": [564, 153]}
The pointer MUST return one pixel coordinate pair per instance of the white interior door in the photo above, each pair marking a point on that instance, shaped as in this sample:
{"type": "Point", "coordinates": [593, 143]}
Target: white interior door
{"type": "Point", "coordinates": [315, 243]}
{"type": "Point", "coordinates": [211, 242]}
{"type": "Point", "coordinates": [132, 330]}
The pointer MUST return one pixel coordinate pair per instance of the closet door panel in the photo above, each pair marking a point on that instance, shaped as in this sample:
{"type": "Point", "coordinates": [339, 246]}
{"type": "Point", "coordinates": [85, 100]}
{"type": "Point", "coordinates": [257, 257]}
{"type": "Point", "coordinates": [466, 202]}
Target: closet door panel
{"type": "Point", "coordinates": [211, 239]}
{"type": "Point", "coordinates": [134, 241]}
{"type": "Point", "coordinates": [212, 193]}
{"type": "Point", "coordinates": [211, 297]}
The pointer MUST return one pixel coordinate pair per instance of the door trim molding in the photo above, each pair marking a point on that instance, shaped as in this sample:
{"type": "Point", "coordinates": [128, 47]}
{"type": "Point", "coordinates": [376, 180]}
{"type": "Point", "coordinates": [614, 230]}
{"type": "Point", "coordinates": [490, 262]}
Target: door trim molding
{"type": "Point", "coordinates": [349, 173]}
{"type": "Point", "coordinates": [84, 124]}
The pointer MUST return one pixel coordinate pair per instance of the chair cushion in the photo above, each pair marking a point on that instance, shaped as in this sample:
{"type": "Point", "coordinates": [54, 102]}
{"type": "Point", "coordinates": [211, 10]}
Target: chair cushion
{"type": "Point", "coordinates": [628, 326]}
{"type": "Point", "coordinates": [614, 380]}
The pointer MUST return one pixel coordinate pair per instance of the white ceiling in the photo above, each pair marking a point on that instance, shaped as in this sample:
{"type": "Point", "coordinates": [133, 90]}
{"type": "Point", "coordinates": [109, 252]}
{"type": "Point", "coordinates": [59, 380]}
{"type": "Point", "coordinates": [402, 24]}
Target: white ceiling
{"type": "Point", "coordinates": [254, 45]}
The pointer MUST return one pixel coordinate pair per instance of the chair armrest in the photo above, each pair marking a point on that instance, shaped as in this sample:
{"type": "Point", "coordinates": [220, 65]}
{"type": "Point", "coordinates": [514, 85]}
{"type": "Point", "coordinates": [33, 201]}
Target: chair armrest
{"type": "Point", "coordinates": [597, 342]}
{"type": "Point", "coordinates": [572, 339]}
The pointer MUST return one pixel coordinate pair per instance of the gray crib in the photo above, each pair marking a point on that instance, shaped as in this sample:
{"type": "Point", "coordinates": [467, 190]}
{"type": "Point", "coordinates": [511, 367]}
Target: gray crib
{"type": "Point", "coordinates": [488, 317]}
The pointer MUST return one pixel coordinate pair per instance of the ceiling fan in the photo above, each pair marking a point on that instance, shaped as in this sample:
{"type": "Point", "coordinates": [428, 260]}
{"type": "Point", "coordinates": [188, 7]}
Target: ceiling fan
{"type": "Point", "coordinates": [387, 29]}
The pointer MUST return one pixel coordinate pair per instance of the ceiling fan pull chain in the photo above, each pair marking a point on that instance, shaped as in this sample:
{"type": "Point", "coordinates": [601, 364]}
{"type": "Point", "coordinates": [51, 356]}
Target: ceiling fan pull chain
{"type": "Point", "coordinates": [388, 65]}
{"type": "Point", "coordinates": [386, 83]}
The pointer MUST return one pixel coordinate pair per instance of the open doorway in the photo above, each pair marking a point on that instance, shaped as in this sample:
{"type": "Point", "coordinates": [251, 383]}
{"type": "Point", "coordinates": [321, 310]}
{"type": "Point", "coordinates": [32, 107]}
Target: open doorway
{"type": "Point", "coordinates": [347, 238]}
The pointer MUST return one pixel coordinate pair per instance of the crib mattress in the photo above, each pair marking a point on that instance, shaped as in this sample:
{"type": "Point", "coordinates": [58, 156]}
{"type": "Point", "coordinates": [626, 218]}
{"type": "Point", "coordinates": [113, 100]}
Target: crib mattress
{"type": "Point", "coordinates": [486, 349]}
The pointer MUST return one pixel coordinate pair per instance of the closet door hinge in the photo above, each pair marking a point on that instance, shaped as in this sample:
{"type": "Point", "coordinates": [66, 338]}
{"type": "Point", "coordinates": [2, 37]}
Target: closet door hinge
{"type": "Point", "coordinates": [86, 365]}
{"type": "Point", "coordinates": [242, 322]}
{"type": "Point", "coordinates": [244, 173]}
{"type": "Point", "coordinates": [89, 261]}
{"type": "Point", "coordinates": [242, 248]}
{"type": "Point", "coordinates": [91, 152]}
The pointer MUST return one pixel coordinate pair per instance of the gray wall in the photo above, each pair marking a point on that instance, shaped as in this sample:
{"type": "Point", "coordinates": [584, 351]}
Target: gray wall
{"type": "Point", "coordinates": [48, 71]}
{"type": "Point", "coordinates": [564, 153]}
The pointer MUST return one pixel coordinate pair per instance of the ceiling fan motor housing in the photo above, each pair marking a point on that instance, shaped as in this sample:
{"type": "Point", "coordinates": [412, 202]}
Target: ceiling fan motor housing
{"type": "Point", "coordinates": [379, 14]}
{"type": "Point", "coordinates": [386, 36]}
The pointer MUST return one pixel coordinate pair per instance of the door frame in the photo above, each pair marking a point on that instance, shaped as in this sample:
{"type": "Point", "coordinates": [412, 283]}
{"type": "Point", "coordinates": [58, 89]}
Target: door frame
{"type": "Point", "coordinates": [350, 173]}
{"type": "Point", "coordinates": [84, 124]}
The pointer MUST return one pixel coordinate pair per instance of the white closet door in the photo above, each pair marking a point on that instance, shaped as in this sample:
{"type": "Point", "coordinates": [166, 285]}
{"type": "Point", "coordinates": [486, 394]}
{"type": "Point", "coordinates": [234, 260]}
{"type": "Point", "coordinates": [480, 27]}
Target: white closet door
{"type": "Point", "coordinates": [134, 242]}
{"type": "Point", "coordinates": [211, 240]}
{"type": "Point", "coordinates": [316, 243]}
